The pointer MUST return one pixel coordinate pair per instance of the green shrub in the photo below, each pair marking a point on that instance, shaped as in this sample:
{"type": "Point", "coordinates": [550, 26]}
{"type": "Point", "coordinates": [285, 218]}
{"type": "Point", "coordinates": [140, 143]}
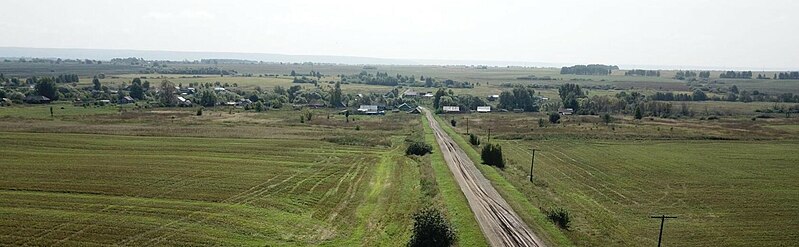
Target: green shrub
{"type": "Point", "coordinates": [200, 112]}
{"type": "Point", "coordinates": [418, 148]}
{"type": "Point", "coordinates": [431, 228]}
{"type": "Point", "coordinates": [453, 122]}
{"type": "Point", "coordinates": [560, 217]}
{"type": "Point", "coordinates": [492, 155]}
{"type": "Point", "coordinates": [474, 140]}
{"type": "Point", "coordinates": [554, 117]}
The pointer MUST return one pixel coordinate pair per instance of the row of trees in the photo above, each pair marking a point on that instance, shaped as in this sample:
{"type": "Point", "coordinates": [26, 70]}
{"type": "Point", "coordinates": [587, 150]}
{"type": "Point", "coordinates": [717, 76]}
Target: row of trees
{"type": "Point", "coordinates": [788, 75]}
{"type": "Point", "coordinates": [687, 74]}
{"type": "Point", "coordinates": [191, 71]}
{"type": "Point", "coordinates": [448, 98]}
{"type": "Point", "coordinates": [591, 69]}
{"type": "Point", "coordinates": [519, 98]}
{"type": "Point", "coordinates": [736, 74]}
{"type": "Point", "coordinates": [641, 72]}
{"type": "Point", "coordinates": [67, 78]}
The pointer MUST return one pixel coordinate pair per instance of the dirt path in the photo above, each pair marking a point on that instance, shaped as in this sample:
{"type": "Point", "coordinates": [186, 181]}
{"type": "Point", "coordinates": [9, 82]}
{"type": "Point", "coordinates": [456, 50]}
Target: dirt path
{"type": "Point", "coordinates": [499, 223]}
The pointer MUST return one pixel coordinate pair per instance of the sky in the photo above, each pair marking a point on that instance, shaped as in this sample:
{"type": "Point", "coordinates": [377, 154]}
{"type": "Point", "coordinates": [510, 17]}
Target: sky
{"type": "Point", "coordinates": [696, 33]}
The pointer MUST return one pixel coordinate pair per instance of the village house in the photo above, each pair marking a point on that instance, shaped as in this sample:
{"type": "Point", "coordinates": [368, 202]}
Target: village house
{"type": "Point", "coordinates": [493, 97]}
{"type": "Point", "coordinates": [370, 110]}
{"type": "Point", "coordinates": [126, 100]}
{"type": "Point", "coordinates": [483, 109]}
{"type": "Point", "coordinates": [36, 99]}
{"type": "Point", "coordinates": [184, 102]}
{"type": "Point", "coordinates": [566, 111]}
{"type": "Point", "coordinates": [404, 107]}
{"type": "Point", "coordinates": [451, 109]}
{"type": "Point", "coordinates": [410, 93]}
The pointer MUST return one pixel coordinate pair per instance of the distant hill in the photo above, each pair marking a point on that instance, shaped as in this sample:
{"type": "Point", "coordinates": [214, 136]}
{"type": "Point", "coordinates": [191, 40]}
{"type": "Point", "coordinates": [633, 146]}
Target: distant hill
{"type": "Point", "coordinates": [107, 54]}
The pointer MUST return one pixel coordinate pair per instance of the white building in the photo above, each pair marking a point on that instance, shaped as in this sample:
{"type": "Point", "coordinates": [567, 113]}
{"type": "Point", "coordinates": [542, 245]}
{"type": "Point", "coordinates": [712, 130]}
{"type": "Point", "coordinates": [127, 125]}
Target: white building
{"type": "Point", "coordinates": [451, 109]}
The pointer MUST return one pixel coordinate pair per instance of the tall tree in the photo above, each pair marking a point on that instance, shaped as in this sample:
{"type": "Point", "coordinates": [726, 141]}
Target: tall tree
{"type": "Point", "coordinates": [569, 93]}
{"type": "Point", "coordinates": [96, 84]}
{"type": "Point", "coordinates": [437, 98]}
{"type": "Point", "coordinates": [167, 92]}
{"type": "Point", "coordinates": [46, 87]}
{"type": "Point", "coordinates": [335, 96]}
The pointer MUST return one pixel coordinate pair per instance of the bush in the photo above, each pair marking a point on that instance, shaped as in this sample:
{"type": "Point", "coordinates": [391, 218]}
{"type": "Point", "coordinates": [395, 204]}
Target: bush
{"type": "Point", "coordinates": [492, 155]}
{"type": "Point", "coordinates": [474, 140]}
{"type": "Point", "coordinates": [200, 112]}
{"type": "Point", "coordinates": [560, 217]}
{"type": "Point", "coordinates": [431, 228]}
{"type": "Point", "coordinates": [554, 117]}
{"type": "Point", "coordinates": [453, 122]}
{"type": "Point", "coordinates": [419, 148]}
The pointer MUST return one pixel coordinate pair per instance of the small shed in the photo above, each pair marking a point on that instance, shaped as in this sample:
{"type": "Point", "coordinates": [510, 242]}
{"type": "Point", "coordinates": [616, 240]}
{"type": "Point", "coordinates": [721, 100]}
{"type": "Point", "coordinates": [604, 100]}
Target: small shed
{"type": "Point", "coordinates": [566, 111]}
{"type": "Point", "coordinates": [483, 109]}
{"type": "Point", "coordinates": [493, 97]}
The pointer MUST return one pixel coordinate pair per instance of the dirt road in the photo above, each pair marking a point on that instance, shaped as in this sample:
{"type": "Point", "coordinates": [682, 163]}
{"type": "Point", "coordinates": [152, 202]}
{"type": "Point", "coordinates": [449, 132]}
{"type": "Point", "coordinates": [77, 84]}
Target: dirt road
{"type": "Point", "coordinates": [499, 223]}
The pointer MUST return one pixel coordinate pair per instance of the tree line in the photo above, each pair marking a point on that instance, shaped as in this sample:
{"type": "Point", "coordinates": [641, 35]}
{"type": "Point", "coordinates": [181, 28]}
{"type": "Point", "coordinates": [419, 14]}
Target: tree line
{"type": "Point", "coordinates": [687, 74]}
{"type": "Point", "coordinates": [641, 72]}
{"type": "Point", "coordinates": [736, 74]}
{"type": "Point", "coordinates": [591, 69]}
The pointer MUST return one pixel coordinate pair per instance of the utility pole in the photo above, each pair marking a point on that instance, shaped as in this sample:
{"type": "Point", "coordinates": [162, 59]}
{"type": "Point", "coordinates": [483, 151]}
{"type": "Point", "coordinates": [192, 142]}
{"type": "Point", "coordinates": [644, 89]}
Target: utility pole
{"type": "Point", "coordinates": [531, 166]}
{"type": "Point", "coordinates": [662, 221]}
{"type": "Point", "coordinates": [467, 126]}
{"type": "Point", "coordinates": [489, 134]}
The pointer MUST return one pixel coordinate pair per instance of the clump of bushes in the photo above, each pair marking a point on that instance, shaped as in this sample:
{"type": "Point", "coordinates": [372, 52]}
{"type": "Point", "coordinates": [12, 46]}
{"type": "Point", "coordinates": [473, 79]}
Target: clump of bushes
{"type": "Point", "coordinates": [431, 228]}
{"type": "Point", "coordinates": [418, 148]}
{"type": "Point", "coordinates": [554, 117]}
{"type": "Point", "coordinates": [474, 140]}
{"type": "Point", "coordinates": [492, 155]}
{"type": "Point", "coordinates": [453, 122]}
{"type": "Point", "coordinates": [560, 217]}
{"type": "Point", "coordinates": [200, 112]}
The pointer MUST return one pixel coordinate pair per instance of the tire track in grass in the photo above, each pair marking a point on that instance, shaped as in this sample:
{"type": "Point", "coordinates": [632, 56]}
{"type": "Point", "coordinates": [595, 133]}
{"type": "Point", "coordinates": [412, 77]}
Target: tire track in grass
{"type": "Point", "coordinates": [578, 164]}
{"type": "Point", "coordinates": [247, 200]}
{"type": "Point", "coordinates": [77, 221]}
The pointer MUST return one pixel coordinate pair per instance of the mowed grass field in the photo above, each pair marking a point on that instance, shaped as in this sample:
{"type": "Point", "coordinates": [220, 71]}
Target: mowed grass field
{"type": "Point", "coordinates": [77, 189]}
{"type": "Point", "coordinates": [730, 193]}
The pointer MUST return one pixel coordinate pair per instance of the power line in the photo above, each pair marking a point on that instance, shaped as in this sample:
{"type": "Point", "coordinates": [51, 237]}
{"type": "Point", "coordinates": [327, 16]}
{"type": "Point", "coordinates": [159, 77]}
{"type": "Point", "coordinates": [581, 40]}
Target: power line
{"type": "Point", "coordinates": [662, 221]}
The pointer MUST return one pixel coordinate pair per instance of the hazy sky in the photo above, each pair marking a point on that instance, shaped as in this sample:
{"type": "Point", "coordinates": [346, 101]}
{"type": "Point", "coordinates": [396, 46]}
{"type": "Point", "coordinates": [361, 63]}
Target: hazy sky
{"type": "Point", "coordinates": [732, 33]}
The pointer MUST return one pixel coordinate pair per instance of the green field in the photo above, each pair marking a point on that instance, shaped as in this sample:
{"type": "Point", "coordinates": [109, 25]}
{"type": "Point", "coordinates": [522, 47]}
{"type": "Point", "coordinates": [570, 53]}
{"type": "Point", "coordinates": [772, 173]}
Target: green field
{"type": "Point", "coordinates": [148, 175]}
{"type": "Point", "coordinates": [725, 194]}
{"type": "Point", "coordinates": [101, 176]}
{"type": "Point", "coordinates": [736, 192]}
{"type": "Point", "coordinates": [94, 189]}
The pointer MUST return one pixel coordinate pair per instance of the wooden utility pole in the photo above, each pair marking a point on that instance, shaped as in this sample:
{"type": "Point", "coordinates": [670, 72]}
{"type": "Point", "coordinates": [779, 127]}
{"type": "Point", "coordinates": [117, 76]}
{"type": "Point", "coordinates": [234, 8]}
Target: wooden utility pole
{"type": "Point", "coordinates": [489, 134]}
{"type": "Point", "coordinates": [531, 165]}
{"type": "Point", "coordinates": [662, 221]}
{"type": "Point", "coordinates": [467, 126]}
